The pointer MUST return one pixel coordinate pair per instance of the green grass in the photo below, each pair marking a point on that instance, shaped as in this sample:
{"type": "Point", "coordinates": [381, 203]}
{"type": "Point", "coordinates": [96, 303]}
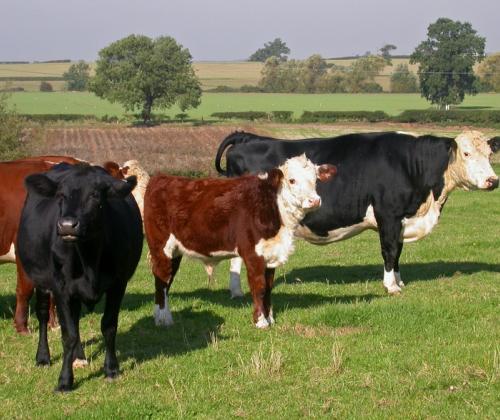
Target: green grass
{"type": "Point", "coordinates": [340, 348]}
{"type": "Point", "coordinates": [86, 103]}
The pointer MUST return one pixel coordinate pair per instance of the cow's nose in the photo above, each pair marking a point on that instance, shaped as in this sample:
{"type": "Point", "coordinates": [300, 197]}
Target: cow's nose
{"type": "Point", "coordinates": [67, 225]}
{"type": "Point", "coordinates": [315, 202]}
{"type": "Point", "coordinates": [492, 183]}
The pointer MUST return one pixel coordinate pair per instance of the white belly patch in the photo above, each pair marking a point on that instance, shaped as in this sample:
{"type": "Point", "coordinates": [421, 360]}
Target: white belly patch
{"type": "Point", "coordinates": [420, 225]}
{"type": "Point", "coordinates": [174, 248]}
{"type": "Point", "coordinates": [10, 257]}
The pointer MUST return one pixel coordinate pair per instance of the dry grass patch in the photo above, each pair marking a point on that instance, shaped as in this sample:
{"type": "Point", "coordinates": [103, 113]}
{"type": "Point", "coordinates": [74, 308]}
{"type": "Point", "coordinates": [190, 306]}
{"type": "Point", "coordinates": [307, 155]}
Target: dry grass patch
{"type": "Point", "coordinates": [263, 363]}
{"type": "Point", "coordinates": [308, 331]}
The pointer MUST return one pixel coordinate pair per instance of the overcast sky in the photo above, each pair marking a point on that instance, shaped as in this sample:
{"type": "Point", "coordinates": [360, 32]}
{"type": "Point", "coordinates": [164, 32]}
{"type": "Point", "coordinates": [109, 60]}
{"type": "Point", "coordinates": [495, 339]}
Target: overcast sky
{"type": "Point", "coordinates": [232, 29]}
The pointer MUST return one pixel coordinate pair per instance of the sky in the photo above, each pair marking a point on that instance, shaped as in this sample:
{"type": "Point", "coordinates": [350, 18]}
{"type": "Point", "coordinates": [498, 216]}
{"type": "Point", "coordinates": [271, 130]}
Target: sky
{"type": "Point", "coordinates": [232, 29]}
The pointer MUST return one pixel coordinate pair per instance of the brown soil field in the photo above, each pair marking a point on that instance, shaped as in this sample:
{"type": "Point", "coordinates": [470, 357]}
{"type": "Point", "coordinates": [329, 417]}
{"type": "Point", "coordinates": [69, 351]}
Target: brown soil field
{"type": "Point", "coordinates": [184, 149]}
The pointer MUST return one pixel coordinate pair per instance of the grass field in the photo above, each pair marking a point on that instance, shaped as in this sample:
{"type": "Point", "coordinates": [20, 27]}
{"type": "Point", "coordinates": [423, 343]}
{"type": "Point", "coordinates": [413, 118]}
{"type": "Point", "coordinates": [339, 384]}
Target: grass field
{"type": "Point", "coordinates": [341, 348]}
{"type": "Point", "coordinates": [87, 103]}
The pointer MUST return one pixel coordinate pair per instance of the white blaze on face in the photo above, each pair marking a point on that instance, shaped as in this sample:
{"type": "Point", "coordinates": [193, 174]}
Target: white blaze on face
{"type": "Point", "coordinates": [298, 187]}
{"type": "Point", "coordinates": [471, 168]}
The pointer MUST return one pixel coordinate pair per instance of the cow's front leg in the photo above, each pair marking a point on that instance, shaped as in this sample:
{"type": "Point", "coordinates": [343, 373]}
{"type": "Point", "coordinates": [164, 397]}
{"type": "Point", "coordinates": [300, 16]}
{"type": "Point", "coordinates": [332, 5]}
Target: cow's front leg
{"type": "Point", "coordinates": [256, 267]}
{"type": "Point", "coordinates": [42, 313]}
{"type": "Point", "coordinates": [68, 311]}
{"type": "Point", "coordinates": [390, 233]}
{"type": "Point", "coordinates": [24, 291]}
{"type": "Point", "coordinates": [269, 274]}
{"type": "Point", "coordinates": [235, 278]}
{"type": "Point", "coordinates": [109, 326]}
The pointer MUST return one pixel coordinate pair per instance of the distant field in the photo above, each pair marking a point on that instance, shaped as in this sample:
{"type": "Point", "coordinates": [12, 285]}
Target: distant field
{"type": "Point", "coordinates": [86, 103]}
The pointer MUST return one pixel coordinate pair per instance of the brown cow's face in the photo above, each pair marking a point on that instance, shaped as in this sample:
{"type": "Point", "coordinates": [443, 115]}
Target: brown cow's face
{"type": "Point", "coordinates": [298, 186]}
{"type": "Point", "coordinates": [472, 168]}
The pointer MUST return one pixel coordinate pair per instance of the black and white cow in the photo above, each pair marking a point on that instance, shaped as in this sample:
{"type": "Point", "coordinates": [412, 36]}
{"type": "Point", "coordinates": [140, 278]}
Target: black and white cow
{"type": "Point", "coordinates": [80, 236]}
{"type": "Point", "coordinates": [394, 183]}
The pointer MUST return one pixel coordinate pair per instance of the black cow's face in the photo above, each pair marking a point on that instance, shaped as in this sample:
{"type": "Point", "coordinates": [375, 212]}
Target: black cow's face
{"type": "Point", "coordinates": [80, 197]}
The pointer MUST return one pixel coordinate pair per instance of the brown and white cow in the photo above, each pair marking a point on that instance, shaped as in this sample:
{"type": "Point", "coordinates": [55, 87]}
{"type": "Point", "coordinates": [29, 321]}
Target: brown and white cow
{"type": "Point", "coordinates": [253, 217]}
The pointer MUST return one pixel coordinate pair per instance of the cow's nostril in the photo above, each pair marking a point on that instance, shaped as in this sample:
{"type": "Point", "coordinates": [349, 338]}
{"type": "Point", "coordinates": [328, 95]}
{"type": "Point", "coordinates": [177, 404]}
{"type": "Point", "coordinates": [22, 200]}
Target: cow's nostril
{"type": "Point", "coordinates": [67, 224]}
{"type": "Point", "coordinates": [493, 183]}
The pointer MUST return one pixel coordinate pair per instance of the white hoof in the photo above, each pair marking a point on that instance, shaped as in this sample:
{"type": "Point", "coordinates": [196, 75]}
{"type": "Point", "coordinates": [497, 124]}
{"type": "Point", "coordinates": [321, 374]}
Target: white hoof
{"type": "Point", "coordinates": [80, 363]}
{"type": "Point", "coordinates": [236, 294]}
{"type": "Point", "coordinates": [393, 289]}
{"type": "Point", "coordinates": [399, 282]}
{"type": "Point", "coordinates": [163, 317]}
{"type": "Point", "coordinates": [262, 322]}
{"type": "Point", "coordinates": [270, 318]}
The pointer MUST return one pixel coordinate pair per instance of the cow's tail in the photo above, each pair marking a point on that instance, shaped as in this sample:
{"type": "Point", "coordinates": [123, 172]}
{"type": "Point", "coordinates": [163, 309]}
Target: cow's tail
{"type": "Point", "coordinates": [237, 137]}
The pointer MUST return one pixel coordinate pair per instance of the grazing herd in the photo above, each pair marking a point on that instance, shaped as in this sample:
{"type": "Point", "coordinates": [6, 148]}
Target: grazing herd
{"type": "Point", "coordinates": [75, 230]}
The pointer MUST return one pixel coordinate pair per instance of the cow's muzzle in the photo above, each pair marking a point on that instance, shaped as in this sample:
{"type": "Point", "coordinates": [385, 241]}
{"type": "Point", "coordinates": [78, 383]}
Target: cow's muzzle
{"type": "Point", "coordinates": [68, 228]}
{"type": "Point", "coordinates": [491, 183]}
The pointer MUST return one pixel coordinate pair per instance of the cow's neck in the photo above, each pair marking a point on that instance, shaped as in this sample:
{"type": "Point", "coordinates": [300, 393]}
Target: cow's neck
{"type": "Point", "coordinates": [452, 180]}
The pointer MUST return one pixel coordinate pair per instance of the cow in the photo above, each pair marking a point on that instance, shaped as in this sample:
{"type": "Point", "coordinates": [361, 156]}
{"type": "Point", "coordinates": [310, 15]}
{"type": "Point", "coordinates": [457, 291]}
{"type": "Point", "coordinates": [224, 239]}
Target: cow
{"type": "Point", "coordinates": [12, 195]}
{"type": "Point", "coordinates": [80, 236]}
{"type": "Point", "coordinates": [390, 182]}
{"type": "Point", "coordinates": [252, 217]}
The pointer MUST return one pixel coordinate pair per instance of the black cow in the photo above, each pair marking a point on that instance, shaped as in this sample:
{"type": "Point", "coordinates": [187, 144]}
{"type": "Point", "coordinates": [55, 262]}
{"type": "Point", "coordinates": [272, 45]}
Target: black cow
{"type": "Point", "coordinates": [392, 182]}
{"type": "Point", "coordinates": [80, 236]}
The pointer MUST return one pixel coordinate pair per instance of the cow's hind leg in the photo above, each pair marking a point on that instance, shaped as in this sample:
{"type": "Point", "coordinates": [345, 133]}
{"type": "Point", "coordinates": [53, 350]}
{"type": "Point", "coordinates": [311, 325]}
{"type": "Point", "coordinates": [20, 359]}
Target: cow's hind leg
{"type": "Point", "coordinates": [397, 272]}
{"type": "Point", "coordinates": [390, 234]}
{"type": "Point", "coordinates": [235, 278]}
{"type": "Point", "coordinates": [109, 326]}
{"type": "Point", "coordinates": [256, 268]}
{"type": "Point", "coordinates": [24, 291]}
{"type": "Point", "coordinates": [42, 313]}
{"type": "Point", "coordinates": [164, 270]}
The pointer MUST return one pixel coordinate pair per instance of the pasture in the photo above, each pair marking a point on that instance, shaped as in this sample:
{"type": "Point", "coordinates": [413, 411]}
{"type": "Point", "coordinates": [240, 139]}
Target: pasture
{"type": "Point", "coordinates": [87, 103]}
{"type": "Point", "coordinates": [341, 347]}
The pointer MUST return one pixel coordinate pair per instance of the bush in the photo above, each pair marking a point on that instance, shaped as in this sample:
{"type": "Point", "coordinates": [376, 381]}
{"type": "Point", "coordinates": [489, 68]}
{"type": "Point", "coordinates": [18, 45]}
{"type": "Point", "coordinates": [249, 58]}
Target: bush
{"type": "Point", "coordinates": [222, 89]}
{"type": "Point", "coordinates": [10, 131]}
{"type": "Point", "coordinates": [243, 115]}
{"type": "Point", "coordinates": [486, 118]}
{"type": "Point", "coordinates": [332, 116]}
{"type": "Point", "coordinates": [12, 89]}
{"type": "Point", "coordinates": [59, 117]}
{"type": "Point", "coordinates": [371, 87]}
{"type": "Point", "coordinates": [250, 89]}
{"type": "Point", "coordinates": [182, 116]}
{"type": "Point", "coordinates": [46, 87]}
{"type": "Point", "coordinates": [282, 116]}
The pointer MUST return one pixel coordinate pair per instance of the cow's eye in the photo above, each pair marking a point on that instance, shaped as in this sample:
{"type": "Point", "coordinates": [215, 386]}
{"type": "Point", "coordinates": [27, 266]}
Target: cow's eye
{"type": "Point", "coordinates": [466, 154]}
{"type": "Point", "coordinates": [292, 181]}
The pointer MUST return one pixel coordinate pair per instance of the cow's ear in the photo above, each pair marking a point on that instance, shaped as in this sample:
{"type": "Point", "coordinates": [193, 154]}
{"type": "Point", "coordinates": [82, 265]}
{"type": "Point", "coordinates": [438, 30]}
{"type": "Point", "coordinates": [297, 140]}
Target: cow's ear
{"type": "Point", "coordinates": [451, 145]}
{"type": "Point", "coordinates": [41, 185]}
{"type": "Point", "coordinates": [113, 169]}
{"type": "Point", "coordinates": [122, 188]}
{"type": "Point", "coordinates": [274, 177]}
{"type": "Point", "coordinates": [494, 143]}
{"type": "Point", "coordinates": [326, 172]}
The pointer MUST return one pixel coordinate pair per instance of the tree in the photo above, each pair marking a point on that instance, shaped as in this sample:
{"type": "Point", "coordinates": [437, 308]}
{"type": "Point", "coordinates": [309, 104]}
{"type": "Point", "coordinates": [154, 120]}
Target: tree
{"type": "Point", "coordinates": [46, 87]}
{"type": "Point", "coordinates": [276, 48]}
{"type": "Point", "coordinates": [313, 69]}
{"type": "Point", "coordinates": [385, 52]}
{"type": "Point", "coordinates": [10, 130]}
{"type": "Point", "coordinates": [362, 73]}
{"type": "Point", "coordinates": [446, 61]}
{"type": "Point", "coordinates": [403, 80]}
{"type": "Point", "coordinates": [140, 72]}
{"type": "Point", "coordinates": [77, 77]}
{"type": "Point", "coordinates": [489, 71]}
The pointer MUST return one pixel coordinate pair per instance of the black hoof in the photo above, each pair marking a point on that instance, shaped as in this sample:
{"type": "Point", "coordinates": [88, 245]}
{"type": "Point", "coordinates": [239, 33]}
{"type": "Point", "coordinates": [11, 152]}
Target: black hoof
{"type": "Point", "coordinates": [63, 388]}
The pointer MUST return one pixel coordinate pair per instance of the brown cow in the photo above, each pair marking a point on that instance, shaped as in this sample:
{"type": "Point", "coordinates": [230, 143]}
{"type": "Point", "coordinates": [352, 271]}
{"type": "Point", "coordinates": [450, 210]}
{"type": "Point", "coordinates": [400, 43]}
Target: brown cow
{"type": "Point", "coordinates": [253, 217]}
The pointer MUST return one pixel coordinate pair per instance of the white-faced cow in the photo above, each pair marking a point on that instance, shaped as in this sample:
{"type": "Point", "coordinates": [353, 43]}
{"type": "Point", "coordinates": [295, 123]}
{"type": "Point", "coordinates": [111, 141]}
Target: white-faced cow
{"type": "Point", "coordinates": [80, 236]}
{"type": "Point", "coordinates": [253, 217]}
{"type": "Point", "coordinates": [391, 182]}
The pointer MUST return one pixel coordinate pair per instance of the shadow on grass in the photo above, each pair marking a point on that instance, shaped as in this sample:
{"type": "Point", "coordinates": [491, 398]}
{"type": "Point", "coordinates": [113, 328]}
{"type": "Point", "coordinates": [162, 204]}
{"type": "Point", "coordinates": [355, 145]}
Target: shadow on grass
{"type": "Point", "coordinates": [409, 272]}
{"type": "Point", "coordinates": [7, 306]}
{"type": "Point", "coordinates": [193, 330]}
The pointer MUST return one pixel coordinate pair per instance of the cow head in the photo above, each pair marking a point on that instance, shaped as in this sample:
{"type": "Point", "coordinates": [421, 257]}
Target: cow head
{"type": "Point", "coordinates": [470, 167]}
{"type": "Point", "coordinates": [81, 193]}
{"type": "Point", "coordinates": [298, 184]}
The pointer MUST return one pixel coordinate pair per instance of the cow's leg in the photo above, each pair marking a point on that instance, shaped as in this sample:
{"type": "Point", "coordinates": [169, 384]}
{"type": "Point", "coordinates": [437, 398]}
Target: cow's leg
{"type": "Point", "coordinates": [164, 270]}
{"type": "Point", "coordinates": [269, 274]}
{"type": "Point", "coordinates": [390, 233]}
{"type": "Point", "coordinates": [234, 278]}
{"type": "Point", "coordinates": [256, 268]}
{"type": "Point", "coordinates": [68, 311]}
{"type": "Point", "coordinates": [24, 291]}
{"type": "Point", "coordinates": [42, 313]}
{"type": "Point", "coordinates": [109, 326]}
{"type": "Point", "coordinates": [79, 359]}
{"type": "Point", "coordinates": [397, 272]}
{"type": "Point", "coordinates": [53, 323]}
